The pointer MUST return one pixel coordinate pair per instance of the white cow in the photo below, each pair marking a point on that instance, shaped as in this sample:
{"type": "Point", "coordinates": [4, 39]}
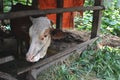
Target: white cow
{"type": "Point", "coordinates": [33, 30]}
{"type": "Point", "coordinates": [40, 38]}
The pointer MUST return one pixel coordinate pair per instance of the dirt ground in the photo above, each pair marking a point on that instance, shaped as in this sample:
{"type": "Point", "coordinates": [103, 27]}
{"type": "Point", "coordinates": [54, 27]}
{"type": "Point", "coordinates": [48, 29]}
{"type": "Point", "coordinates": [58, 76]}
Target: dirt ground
{"type": "Point", "coordinates": [106, 39]}
{"type": "Point", "coordinates": [110, 40]}
{"type": "Point", "coordinates": [82, 36]}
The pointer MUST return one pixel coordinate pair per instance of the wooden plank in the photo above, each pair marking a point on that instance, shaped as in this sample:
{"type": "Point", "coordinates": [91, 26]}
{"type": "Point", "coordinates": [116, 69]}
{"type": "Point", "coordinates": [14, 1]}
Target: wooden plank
{"type": "Point", "coordinates": [1, 6]}
{"type": "Point", "coordinates": [35, 72]}
{"type": "Point", "coordinates": [55, 58]}
{"type": "Point", "coordinates": [96, 19]}
{"type": "Point", "coordinates": [59, 15]}
{"type": "Point", "coordinates": [35, 3]}
{"type": "Point", "coordinates": [6, 76]}
{"type": "Point", "coordinates": [6, 59]}
{"type": "Point", "coordinates": [27, 2]}
{"type": "Point", "coordinates": [47, 11]}
{"type": "Point", "coordinates": [11, 2]}
{"type": "Point", "coordinates": [29, 76]}
{"type": "Point", "coordinates": [1, 11]}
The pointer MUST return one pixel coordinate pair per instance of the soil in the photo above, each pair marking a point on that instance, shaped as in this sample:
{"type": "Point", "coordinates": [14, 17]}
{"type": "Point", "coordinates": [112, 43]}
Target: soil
{"type": "Point", "coordinates": [110, 40]}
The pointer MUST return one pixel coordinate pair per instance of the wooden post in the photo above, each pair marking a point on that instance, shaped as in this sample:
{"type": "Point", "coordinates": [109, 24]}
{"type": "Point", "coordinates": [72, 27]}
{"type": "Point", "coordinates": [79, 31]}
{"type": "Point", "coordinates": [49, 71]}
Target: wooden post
{"type": "Point", "coordinates": [35, 4]}
{"type": "Point", "coordinates": [59, 16]}
{"type": "Point", "coordinates": [11, 2]}
{"type": "Point", "coordinates": [27, 2]}
{"type": "Point", "coordinates": [1, 10]}
{"type": "Point", "coordinates": [97, 14]}
{"type": "Point", "coordinates": [1, 6]}
{"type": "Point", "coordinates": [6, 76]}
{"type": "Point", "coordinates": [1, 21]}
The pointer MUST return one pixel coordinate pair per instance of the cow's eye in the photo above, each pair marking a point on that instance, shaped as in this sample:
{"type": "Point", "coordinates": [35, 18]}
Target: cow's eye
{"type": "Point", "coordinates": [41, 37]}
{"type": "Point", "coordinates": [45, 35]}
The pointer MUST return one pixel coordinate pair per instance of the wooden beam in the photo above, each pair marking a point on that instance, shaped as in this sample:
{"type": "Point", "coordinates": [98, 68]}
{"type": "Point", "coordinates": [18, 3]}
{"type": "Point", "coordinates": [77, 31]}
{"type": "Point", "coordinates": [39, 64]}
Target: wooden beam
{"type": "Point", "coordinates": [29, 76]}
{"type": "Point", "coordinates": [97, 14]}
{"type": "Point", "coordinates": [27, 2]}
{"type": "Point", "coordinates": [35, 4]}
{"type": "Point", "coordinates": [35, 72]}
{"type": "Point", "coordinates": [47, 11]}
{"type": "Point", "coordinates": [1, 6]}
{"type": "Point", "coordinates": [55, 58]}
{"type": "Point", "coordinates": [6, 76]}
{"type": "Point", "coordinates": [59, 15]}
{"type": "Point", "coordinates": [1, 11]}
{"type": "Point", "coordinates": [6, 59]}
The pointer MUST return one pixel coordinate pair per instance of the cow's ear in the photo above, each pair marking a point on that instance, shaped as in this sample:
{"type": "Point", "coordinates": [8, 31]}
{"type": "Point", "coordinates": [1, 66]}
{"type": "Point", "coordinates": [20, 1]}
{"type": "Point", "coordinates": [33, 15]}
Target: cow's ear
{"type": "Point", "coordinates": [32, 19]}
{"type": "Point", "coordinates": [52, 26]}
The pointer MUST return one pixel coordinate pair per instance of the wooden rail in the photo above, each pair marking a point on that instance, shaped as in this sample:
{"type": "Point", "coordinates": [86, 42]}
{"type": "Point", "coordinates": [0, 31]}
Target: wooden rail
{"type": "Point", "coordinates": [6, 76]}
{"type": "Point", "coordinates": [47, 11]}
{"type": "Point", "coordinates": [55, 58]}
{"type": "Point", "coordinates": [6, 59]}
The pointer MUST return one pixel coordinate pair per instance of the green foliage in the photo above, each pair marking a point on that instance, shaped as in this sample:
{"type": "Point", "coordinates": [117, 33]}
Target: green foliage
{"type": "Point", "coordinates": [111, 22]}
{"type": "Point", "coordinates": [93, 64]}
{"type": "Point", "coordinates": [8, 3]}
{"type": "Point", "coordinates": [105, 62]}
{"type": "Point", "coordinates": [84, 23]}
{"type": "Point", "coordinates": [107, 3]}
{"type": "Point", "coordinates": [110, 18]}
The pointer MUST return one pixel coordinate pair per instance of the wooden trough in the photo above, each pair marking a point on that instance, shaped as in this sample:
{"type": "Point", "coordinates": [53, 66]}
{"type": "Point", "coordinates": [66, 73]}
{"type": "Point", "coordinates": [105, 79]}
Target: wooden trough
{"type": "Point", "coordinates": [12, 68]}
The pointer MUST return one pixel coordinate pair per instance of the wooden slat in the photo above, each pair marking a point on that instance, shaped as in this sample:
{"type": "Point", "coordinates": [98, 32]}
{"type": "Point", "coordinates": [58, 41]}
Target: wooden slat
{"type": "Point", "coordinates": [6, 76]}
{"type": "Point", "coordinates": [97, 15]}
{"type": "Point", "coordinates": [59, 15]}
{"type": "Point", "coordinates": [6, 59]}
{"type": "Point", "coordinates": [47, 11]}
{"type": "Point", "coordinates": [27, 2]}
{"type": "Point", "coordinates": [35, 3]}
{"type": "Point", "coordinates": [55, 58]}
{"type": "Point", "coordinates": [1, 10]}
{"type": "Point", "coordinates": [1, 6]}
{"type": "Point", "coordinates": [35, 72]}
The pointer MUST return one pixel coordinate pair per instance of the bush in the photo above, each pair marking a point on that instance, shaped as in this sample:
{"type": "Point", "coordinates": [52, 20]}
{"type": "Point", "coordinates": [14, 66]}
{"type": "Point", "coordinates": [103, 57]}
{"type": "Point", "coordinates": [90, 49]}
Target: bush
{"type": "Point", "coordinates": [110, 20]}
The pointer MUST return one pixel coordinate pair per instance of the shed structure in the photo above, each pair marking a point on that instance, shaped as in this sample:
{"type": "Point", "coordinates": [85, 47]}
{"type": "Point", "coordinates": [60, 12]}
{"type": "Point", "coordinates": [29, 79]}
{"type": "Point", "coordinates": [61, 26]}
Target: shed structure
{"type": "Point", "coordinates": [42, 64]}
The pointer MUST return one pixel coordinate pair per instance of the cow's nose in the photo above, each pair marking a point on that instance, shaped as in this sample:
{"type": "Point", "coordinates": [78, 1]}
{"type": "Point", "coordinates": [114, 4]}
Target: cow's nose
{"type": "Point", "coordinates": [29, 58]}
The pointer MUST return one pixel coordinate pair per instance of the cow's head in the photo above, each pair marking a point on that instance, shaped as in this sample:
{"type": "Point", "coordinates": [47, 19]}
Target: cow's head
{"type": "Point", "coordinates": [40, 38]}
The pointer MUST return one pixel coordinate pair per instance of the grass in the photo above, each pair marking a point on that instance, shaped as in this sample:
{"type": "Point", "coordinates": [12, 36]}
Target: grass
{"type": "Point", "coordinates": [104, 62]}
{"type": "Point", "coordinates": [92, 64]}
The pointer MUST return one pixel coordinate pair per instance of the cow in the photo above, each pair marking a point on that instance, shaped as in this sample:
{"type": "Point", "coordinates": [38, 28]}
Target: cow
{"type": "Point", "coordinates": [40, 38]}
{"type": "Point", "coordinates": [33, 31]}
